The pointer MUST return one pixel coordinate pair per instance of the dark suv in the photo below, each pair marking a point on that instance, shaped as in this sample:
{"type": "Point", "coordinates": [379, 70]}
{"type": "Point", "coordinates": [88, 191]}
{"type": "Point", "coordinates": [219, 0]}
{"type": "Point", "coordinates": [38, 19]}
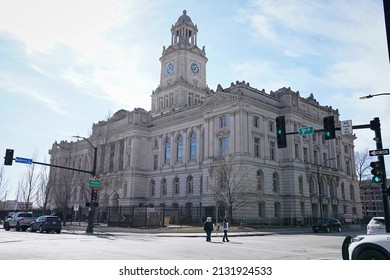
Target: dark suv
{"type": "Point", "coordinates": [327, 225]}
{"type": "Point", "coordinates": [46, 223]}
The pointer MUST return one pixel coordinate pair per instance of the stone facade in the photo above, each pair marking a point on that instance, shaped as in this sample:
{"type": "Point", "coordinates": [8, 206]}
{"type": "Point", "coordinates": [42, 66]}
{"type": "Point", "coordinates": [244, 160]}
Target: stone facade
{"type": "Point", "coordinates": [163, 156]}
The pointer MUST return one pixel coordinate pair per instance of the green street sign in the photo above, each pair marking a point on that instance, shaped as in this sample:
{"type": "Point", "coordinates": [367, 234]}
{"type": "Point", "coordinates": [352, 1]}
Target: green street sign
{"type": "Point", "coordinates": [305, 130]}
{"type": "Point", "coordinates": [94, 183]}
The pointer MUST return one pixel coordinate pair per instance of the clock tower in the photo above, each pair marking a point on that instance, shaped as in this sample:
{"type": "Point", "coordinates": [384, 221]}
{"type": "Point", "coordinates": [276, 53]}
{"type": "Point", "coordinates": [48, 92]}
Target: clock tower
{"type": "Point", "coordinates": [183, 70]}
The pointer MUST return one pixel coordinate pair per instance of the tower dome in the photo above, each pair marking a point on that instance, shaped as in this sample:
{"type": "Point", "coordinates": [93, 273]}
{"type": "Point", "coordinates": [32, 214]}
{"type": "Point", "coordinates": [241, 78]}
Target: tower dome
{"type": "Point", "coordinates": [184, 19]}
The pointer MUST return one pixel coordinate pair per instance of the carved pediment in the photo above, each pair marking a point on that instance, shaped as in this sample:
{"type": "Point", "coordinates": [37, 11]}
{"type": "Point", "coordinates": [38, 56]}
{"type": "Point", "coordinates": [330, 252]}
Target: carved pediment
{"type": "Point", "coordinates": [223, 133]}
{"type": "Point", "coordinates": [219, 98]}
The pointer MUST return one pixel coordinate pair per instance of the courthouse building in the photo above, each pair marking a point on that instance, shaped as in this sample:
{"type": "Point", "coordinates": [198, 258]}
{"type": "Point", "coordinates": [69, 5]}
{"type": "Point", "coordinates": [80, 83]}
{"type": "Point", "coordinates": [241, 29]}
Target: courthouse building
{"type": "Point", "coordinates": [162, 157]}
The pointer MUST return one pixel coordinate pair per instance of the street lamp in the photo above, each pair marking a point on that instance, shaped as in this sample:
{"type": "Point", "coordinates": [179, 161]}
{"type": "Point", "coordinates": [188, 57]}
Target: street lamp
{"type": "Point", "coordinates": [91, 210]}
{"type": "Point", "coordinates": [372, 95]}
{"type": "Point", "coordinates": [319, 185]}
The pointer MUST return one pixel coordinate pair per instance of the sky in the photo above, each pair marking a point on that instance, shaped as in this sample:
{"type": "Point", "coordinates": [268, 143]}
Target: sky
{"type": "Point", "coordinates": [65, 65]}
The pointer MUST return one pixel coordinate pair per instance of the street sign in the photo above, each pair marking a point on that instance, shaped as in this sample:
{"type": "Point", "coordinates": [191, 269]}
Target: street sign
{"type": "Point", "coordinates": [94, 183]}
{"type": "Point", "coordinates": [24, 160]}
{"type": "Point", "coordinates": [380, 152]}
{"type": "Point", "coordinates": [346, 127]}
{"type": "Point", "coordinates": [305, 130]}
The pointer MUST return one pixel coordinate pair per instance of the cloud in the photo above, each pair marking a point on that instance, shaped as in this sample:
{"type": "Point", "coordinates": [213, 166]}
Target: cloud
{"type": "Point", "coordinates": [85, 45]}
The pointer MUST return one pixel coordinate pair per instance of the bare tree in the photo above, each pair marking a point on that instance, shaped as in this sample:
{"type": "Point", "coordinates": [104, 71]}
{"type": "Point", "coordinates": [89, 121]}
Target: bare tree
{"type": "Point", "coordinates": [230, 185]}
{"type": "Point", "coordinates": [43, 191]}
{"type": "Point", "coordinates": [27, 187]}
{"type": "Point", "coordinates": [3, 187]}
{"type": "Point", "coordinates": [362, 165]}
{"type": "Point", "coordinates": [66, 181]}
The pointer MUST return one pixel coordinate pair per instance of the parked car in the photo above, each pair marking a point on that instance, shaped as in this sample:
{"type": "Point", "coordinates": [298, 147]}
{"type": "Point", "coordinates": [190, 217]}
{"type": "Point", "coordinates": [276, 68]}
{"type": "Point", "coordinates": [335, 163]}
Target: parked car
{"type": "Point", "coordinates": [19, 220]}
{"type": "Point", "coordinates": [376, 225]}
{"type": "Point", "coordinates": [327, 225]}
{"type": "Point", "coordinates": [46, 223]}
{"type": "Point", "coordinates": [366, 247]}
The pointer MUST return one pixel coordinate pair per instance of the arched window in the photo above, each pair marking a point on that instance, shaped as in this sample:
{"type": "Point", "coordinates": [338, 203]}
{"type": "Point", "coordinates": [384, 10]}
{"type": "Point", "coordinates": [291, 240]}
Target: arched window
{"type": "Point", "coordinates": [180, 148]}
{"type": "Point", "coordinates": [167, 150]}
{"type": "Point", "coordinates": [175, 205]}
{"type": "Point", "coordinates": [152, 187]}
{"type": "Point", "coordinates": [193, 146]}
{"type": "Point", "coordinates": [190, 184]}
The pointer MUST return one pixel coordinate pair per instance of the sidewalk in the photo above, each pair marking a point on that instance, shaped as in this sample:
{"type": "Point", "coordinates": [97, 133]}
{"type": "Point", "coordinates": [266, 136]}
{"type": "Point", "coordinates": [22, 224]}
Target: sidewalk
{"type": "Point", "coordinates": [182, 231]}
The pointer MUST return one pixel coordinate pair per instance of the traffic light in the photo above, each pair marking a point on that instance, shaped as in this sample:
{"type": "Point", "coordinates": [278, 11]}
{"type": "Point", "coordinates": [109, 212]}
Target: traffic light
{"type": "Point", "coordinates": [376, 171]}
{"type": "Point", "coordinates": [329, 129]}
{"type": "Point", "coordinates": [281, 132]}
{"type": "Point", "coordinates": [94, 197]}
{"type": "Point", "coordinates": [9, 157]}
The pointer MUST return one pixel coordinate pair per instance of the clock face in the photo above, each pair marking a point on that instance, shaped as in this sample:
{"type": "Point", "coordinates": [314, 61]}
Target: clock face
{"type": "Point", "coordinates": [194, 68]}
{"type": "Point", "coordinates": [170, 68]}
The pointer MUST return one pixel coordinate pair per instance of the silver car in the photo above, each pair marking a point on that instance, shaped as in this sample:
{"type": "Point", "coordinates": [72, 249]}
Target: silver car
{"type": "Point", "coordinates": [376, 225]}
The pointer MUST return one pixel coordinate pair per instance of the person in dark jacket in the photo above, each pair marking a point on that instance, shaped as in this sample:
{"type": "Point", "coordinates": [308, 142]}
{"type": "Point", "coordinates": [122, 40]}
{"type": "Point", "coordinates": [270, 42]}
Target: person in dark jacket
{"type": "Point", "coordinates": [225, 227]}
{"type": "Point", "coordinates": [208, 227]}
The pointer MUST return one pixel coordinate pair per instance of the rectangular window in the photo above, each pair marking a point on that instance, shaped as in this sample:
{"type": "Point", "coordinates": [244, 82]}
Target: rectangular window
{"type": "Point", "coordinates": [193, 146]}
{"type": "Point", "coordinates": [112, 155]}
{"type": "Point", "coordinates": [271, 126]}
{"type": "Point", "coordinates": [277, 210]}
{"type": "Point", "coordinates": [305, 155]}
{"type": "Point", "coordinates": [121, 154]}
{"type": "Point", "coordinates": [315, 157]}
{"type": "Point", "coordinates": [256, 121]}
{"type": "Point", "coordinates": [223, 146]}
{"type": "Point", "coordinates": [262, 209]}
{"type": "Point", "coordinates": [325, 157]}
{"type": "Point", "coordinates": [222, 121]}
{"type": "Point", "coordinates": [155, 162]}
{"type": "Point", "coordinates": [272, 150]}
{"type": "Point", "coordinates": [302, 208]}
{"type": "Point", "coordinates": [296, 146]}
{"type": "Point", "coordinates": [171, 100]}
{"type": "Point", "coordinates": [256, 147]}
{"type": "Point", "coordinates": [102, 151]}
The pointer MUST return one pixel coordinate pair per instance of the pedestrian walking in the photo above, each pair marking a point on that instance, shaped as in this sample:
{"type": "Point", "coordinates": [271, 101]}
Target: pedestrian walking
{"type": "Point", "coordinates": [208, 227]}
{"type": "Point", "coordinates": [225, 230]}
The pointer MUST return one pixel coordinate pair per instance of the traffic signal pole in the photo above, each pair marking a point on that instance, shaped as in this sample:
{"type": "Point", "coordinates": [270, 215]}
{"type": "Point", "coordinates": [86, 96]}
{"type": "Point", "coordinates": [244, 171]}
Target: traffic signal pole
{"type": "Point", "coordinates": [376, 127]}
{"type": "Point", "coordinates": [91, 209]}
{"type": "Point", "coordinates": [8, 159]}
